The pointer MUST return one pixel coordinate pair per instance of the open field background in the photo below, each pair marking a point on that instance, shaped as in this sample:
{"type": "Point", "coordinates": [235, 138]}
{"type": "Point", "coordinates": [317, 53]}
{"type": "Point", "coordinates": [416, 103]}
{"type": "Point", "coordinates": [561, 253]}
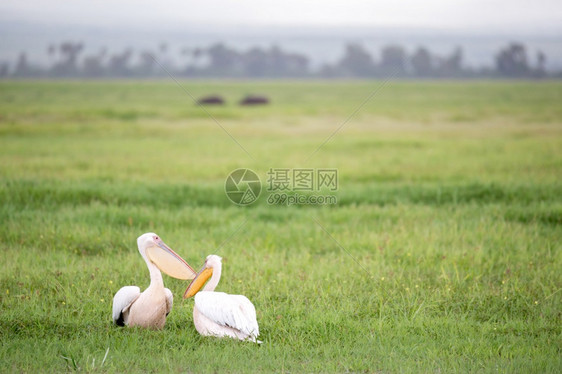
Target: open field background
{"type": "Point", "coordinates": [449, 224]}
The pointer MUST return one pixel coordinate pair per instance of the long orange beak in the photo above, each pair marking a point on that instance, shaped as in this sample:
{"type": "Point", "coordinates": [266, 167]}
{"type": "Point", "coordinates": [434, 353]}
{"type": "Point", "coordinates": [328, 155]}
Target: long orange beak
{"type": "Point", "coordinates": [197, 283]}
{"type": "Point", "coordinates": [169, 261]}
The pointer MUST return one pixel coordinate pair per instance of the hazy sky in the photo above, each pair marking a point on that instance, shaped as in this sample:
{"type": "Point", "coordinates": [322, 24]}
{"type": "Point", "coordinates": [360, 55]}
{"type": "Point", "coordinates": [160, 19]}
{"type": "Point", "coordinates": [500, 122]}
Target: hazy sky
{"type": "Point", "coordinates": [493, 15]}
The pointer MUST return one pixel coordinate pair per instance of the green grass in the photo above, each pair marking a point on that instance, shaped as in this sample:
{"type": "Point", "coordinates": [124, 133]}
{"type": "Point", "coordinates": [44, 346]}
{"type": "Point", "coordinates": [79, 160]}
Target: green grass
{"type": "Point", "coordinates": [449, 224]}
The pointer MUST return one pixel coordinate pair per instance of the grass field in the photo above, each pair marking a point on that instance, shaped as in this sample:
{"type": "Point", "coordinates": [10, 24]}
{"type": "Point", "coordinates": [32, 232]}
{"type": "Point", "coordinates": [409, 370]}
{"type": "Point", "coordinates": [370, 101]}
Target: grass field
{"type": "Point", "coordinates": [443, 253]}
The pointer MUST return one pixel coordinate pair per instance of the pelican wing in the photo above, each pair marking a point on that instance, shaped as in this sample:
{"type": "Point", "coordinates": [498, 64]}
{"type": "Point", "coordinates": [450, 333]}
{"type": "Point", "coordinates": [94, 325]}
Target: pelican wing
{"type": "Point", "coordinates": [234, 311]}
{"type": "Point", "coordinates": [169, 300]}
{"type": "Point", "coordinates": [122, 301]}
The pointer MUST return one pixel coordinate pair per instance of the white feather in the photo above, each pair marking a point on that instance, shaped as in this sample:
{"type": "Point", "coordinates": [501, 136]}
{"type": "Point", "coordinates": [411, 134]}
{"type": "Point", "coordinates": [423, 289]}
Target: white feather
{"type": "Point", "coordinates": [123, 299]}
{"type": "Point", "coordinates": [234, 311]}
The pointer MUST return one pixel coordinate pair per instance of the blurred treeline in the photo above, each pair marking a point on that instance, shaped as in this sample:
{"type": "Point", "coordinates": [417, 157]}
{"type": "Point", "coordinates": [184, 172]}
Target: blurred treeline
{"type": "Point", "coordinates": [68, 60]}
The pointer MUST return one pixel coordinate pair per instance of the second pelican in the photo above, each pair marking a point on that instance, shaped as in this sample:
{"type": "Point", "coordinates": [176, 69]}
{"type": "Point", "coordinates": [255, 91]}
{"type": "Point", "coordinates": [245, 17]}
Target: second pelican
{"type": "Point", "coordinates": [217, 313]}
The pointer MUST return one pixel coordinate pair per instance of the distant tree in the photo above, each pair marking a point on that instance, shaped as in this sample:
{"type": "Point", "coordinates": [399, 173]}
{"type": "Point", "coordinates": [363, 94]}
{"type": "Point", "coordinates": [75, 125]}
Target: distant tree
{"type": "Point", "coordinates": [512, 61]}
{"type": "Point", "coordinates": [422, 62]}
{"type": "Point", "coordinates": [256, 62]}
{"type": "Point", "coordinates": [22, 66]}
{"type": "Point", "coordinates": [4, 69]}
{"type": "Point", "coordinates": [296, 64]}
{"type": "Point", "coordinates": [278, 62]}
{"type": "Point", "coordinates": [52, 52]}
{"type": "Point", "coordinates": [282, 64]}
{"type": "Point", "coordinates": [451, 66]}
{"type": "Point", "coordinates": [67, 66]}
{"type": "Point", "coordinates": [219, 60]}
{"type": "Point", "coordinates": [146, 65]}
{"type": "Point", "coordinates": [223, 60]}
{"type": "Point", "coordinates": [93, 67]}
{"type": "Point", "coordinates": [541, 64]}
{"type": "Point", "coordinates": [286, 64]}
{"type": "Point", "coordinates": [198, 61]}
{"type": "Point", "coordinates": [357, 61]}
{"type": "Point", "coordinates": [199, 57]}
{"type": "Point", "coordinates": [393, 60]}
{"type": "Point", "coordinates": [118, 65]}
{"type": "Point", "coordinates": [329, 71]}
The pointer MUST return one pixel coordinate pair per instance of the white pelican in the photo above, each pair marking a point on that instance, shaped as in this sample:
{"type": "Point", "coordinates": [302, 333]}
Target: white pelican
{"type": "Point", "coordinates": [217, 313]}
{"type": "Point", "coordinates": [150, 308]}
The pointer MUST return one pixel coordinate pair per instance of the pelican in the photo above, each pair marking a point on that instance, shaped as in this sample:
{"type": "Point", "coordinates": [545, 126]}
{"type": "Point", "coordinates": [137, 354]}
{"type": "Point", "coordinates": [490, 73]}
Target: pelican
{"type": "Point", "coordinates": [150, 308]}
{"type": "Point", "coordinates": [217, 313]}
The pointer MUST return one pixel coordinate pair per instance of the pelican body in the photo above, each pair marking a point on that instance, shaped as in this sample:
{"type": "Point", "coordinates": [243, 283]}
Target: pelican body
{"type": "Point", "coordinates": [150, 308]}
{"type": "Point", "coordinates": [217, 313]}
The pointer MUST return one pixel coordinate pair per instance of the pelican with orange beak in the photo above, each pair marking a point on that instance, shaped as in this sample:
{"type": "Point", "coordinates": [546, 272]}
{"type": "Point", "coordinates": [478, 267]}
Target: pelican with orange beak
{"type": "Point", "coordinates": [150, 308]}
{"type": "Point", "coordinates": [217, 313]}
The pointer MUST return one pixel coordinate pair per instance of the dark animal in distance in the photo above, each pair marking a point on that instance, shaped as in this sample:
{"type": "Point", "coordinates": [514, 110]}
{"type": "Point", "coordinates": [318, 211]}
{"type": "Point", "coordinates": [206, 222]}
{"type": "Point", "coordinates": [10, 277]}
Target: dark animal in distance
{"type": "Point", "coordinates": [254, 100]}
{"type": "Point", "coordinates": [211, 100]}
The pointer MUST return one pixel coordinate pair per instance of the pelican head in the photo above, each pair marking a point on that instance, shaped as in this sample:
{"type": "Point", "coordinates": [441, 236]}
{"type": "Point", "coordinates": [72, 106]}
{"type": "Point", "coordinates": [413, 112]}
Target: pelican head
{"type": "Point", "coordinates": [155, 251]}
{"type": "Point", "coordinates": [213, 263]}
